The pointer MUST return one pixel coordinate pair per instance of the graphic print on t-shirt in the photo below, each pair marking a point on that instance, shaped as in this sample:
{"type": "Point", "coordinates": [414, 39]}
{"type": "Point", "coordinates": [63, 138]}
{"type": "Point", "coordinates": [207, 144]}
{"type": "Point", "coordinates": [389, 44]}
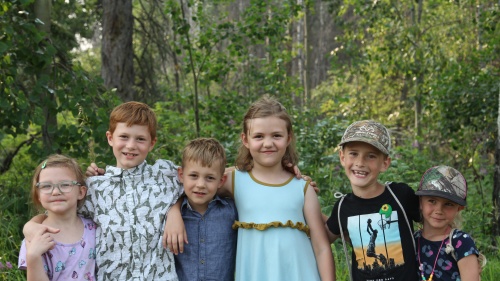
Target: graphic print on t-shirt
{"type": "Point", "coordinates": [376, 240]}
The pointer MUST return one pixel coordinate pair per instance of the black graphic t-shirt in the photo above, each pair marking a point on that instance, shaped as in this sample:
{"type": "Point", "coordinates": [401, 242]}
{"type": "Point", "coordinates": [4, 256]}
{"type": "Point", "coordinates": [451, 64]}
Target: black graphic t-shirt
{"type": "Point", "coordinates": [382, 243]}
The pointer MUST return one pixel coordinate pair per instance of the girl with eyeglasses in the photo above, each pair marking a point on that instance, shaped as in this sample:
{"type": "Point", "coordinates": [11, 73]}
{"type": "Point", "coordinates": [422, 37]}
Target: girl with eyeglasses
{"type": "Point", "coordinates": [58, 187]}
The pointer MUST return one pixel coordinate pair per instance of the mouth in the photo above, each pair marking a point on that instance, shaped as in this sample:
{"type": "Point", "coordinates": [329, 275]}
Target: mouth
{"type": "Point", "coordinates": [199, 193]}
{"type": "Point", "coordinates": [128, 154]}
{"type": "Point", "coordinates": [360, 173]}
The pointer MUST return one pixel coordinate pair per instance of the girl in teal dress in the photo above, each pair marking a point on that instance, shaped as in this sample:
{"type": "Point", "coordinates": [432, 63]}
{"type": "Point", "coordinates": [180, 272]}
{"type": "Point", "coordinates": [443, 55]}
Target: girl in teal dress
{"type": "Point", "coordinates": [281, 234]}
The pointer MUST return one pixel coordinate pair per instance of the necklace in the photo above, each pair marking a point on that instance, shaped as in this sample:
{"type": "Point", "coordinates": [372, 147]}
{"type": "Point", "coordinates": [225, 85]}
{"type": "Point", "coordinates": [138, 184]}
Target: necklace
{"type": "Point", "coordinates": [421, 267]}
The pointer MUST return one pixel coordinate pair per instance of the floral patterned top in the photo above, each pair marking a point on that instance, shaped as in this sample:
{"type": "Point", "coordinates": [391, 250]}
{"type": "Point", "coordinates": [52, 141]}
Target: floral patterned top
{"type": "Point", "coordinates": [130, 207]}
{"type": "Point", "coordinates": [73, 261]}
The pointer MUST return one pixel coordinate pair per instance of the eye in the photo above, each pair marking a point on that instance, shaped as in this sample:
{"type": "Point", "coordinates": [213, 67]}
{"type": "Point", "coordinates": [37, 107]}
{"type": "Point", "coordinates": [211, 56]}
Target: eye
{"type": "Point", "coordinates": [45, 186]}
{"type": "Point", "coordinates": [211, 178]}
{"type": "Point", "coordinates": [123, 137]}
{"type": "Point", "coordinates": [65, 184]}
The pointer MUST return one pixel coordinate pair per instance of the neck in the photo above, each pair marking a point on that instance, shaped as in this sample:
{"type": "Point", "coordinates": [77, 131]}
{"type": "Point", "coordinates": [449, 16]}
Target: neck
{"type": "Point", "coordinates": [368, 192]}
{"type": "Point", "coordinates": [435, 234]}
{"type": "Point", "coordinates": [62, 221]}
{"type": "Point", "coordinates": [272, 175]}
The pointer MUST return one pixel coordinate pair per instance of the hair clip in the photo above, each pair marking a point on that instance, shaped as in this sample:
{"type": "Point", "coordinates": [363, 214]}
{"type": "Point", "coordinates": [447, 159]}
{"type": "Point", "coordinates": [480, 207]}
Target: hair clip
{"type": "Point", "coordinates": [44, 163]}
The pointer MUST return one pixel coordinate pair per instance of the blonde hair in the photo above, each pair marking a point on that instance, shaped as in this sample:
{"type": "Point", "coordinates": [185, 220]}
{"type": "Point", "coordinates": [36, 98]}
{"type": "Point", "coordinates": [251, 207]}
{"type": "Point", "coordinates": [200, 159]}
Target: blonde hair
{"type": "Point", "coordinates": [60, 161]}
{"type": "Point", "coordinates": [207, 151]}
{"type": "Point", "coordinates": [133, 113]}
{"type": "Point", "coordinates": [267, 106]}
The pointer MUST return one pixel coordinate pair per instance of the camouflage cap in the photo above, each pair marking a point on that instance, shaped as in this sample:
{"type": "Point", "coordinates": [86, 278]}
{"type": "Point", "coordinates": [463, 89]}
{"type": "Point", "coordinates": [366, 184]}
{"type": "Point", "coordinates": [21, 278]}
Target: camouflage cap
{"type": "Point", "coordinates": [445, 182]}
{"type": "Point", "coordinates": [370, 132]}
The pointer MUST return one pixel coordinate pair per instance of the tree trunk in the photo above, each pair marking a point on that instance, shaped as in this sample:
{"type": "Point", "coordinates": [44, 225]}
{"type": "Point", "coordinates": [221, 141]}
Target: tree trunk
{"type": "Point", "coordinates": [43, 9]}
{"type": "Point", "coordinates": [117, 53]}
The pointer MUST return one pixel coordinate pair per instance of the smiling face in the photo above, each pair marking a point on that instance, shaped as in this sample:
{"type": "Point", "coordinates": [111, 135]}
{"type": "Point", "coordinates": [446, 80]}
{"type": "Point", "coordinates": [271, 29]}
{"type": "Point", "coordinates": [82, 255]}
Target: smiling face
{"type": "Point", "coordinates": [56, 202]}
{"type": "Point", "coordinates": [362, 164]}
{"type": "Point", "coordinates": [131, 144]}
{"type": "Point", "coordinates": [267, 140]}
{"type": "Point", "coordinates": [201, 183]}
{"type": "Point", "coordinates": [438, 213]}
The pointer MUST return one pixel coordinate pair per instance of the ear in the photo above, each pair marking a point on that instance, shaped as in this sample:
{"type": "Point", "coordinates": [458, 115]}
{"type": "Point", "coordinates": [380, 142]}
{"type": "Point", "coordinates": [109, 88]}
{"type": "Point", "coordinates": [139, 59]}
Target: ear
{"type": "Point", "coordinates": [460, 208]}
{"type": "Point", "coordinates": [180, 174]}
{"type": "Point", "coordinates": [153, 142]}
{"type": "Point", "coordinates": [222, 181]}
{"type": "Point", "coordinates": [386, 164]}
{"type": "Point", "coordinates": [109, 137]}
{"type": "Point", "coordinates": [244, 139]}
{"type": "Point", "coordinates": [82, 192]}
{"type": "Point", "coordinates": [342, 157]}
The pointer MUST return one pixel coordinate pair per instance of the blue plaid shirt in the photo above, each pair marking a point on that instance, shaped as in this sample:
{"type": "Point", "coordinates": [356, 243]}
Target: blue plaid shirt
{"type": "Point", "coordinates": [211, 252]}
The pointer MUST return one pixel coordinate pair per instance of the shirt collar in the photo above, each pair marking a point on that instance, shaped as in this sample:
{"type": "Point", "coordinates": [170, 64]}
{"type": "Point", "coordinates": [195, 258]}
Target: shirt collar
{"type": "Point", "coordinates": [115, 171]}
{"type": "Point", "coordinates": [216, 200]}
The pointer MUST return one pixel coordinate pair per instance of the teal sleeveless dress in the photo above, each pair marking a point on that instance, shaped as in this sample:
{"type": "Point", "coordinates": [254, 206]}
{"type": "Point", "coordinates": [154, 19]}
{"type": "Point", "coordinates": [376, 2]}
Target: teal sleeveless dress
{"type": "Point", "coordinates": [273, 242]}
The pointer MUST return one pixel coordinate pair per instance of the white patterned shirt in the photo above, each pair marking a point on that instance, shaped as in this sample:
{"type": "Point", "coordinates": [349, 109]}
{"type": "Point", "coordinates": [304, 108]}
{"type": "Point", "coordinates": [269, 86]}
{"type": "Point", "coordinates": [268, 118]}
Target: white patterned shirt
{"type": "Point", "coordinates": [130, 208]}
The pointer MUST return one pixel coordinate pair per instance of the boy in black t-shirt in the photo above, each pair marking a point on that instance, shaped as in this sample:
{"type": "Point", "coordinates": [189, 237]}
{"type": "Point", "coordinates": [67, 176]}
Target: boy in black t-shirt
{"type": "Point", "coordinates": [375, 219]}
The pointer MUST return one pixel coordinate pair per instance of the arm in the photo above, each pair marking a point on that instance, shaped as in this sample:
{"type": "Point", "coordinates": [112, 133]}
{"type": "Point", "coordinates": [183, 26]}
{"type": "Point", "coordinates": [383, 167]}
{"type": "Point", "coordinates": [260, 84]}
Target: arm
{"type": "Point", "coordinates": [469, 268]}
{"type": "Point", "coordinates": [174, 233]}
{"type": "Point", "coordinates": [34, 226]}
{"type": "Point", "coordinates": [319, 238]}
{"type": "Point", "coordinates": [41, 243]}
{"type": "Point", "coordinates": [331, 237]}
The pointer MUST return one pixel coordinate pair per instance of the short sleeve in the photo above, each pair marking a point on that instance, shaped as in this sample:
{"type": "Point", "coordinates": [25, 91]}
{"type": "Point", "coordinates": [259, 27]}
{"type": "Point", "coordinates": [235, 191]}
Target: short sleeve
{"type": "Point", "coordinates": [333, 222]}
{"type": "Point", "coordinates": [464, 245]}
{"type": "Point", "coordinates": [21, 264]}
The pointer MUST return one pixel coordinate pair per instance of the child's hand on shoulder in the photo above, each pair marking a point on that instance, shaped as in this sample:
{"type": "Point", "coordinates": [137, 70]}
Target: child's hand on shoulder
{"type": "Point", "coordinates": [93, 170]}
{"type": "Point", "coordinates": [40, 244]}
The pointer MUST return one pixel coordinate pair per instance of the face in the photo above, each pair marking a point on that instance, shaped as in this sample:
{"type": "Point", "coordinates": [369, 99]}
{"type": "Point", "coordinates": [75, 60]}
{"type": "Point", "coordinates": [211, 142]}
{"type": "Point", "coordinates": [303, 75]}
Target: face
{"type": "Point", "coordinates": [131, 145]}
{"type": "Point", "coordinates": [267, 140]}
{"type": "Point", "coordinates": [200, 183]}
{"type": "Point", "coordinates": [362, 164]}
{"type": "Point", "coordinates": [437, 212]}
{"type": "Point", "coordinates": [58, 202]}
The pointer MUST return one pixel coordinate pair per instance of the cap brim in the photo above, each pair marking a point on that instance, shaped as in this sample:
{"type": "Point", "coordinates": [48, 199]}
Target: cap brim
{"type": "Point", "coordinates": [376, 144]}
{"type": "Point", "coordinates": [446, 195]}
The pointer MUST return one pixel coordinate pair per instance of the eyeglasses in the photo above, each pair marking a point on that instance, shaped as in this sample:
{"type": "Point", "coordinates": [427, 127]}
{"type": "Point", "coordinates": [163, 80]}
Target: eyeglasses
{"type": "Point", "coordinates": [64, 186]}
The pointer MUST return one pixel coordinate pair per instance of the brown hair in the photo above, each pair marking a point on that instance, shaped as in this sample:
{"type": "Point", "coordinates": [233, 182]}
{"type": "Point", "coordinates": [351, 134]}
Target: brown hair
{"type": "Point", "coordinates": [267, 106]}
{"type": "Point", "coordinates": [207, 151]}
{"type": "Point", "coordinates": [60, 161]}
{"type": "Point", "coordinates": [133, 113]}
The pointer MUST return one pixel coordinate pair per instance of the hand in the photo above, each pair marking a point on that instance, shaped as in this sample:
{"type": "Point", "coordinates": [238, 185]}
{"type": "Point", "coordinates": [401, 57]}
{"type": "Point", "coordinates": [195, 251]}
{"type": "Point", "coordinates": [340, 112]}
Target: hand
{"type": "Point", "coordinates": [312, 183]}
{"type": "Point", "coordinates": [93, 170]}
{"type": "Point", "coordinates": [174, 232]}
{"type": "Point", "coordinates": [41, 243]}
{"type": "Point", "coordinates": [34, 226]}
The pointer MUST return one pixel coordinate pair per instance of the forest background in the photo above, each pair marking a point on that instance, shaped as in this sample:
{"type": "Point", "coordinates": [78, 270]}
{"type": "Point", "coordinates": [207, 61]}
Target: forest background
{"type": "Point", "coordinates": [427, 69]}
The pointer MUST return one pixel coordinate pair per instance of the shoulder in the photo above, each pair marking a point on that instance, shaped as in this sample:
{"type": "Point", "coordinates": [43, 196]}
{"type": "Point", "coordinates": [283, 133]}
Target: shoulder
{"type": "Point", "coordinates": [162, 164]}
{"type": "Point", "coordinates": [402, 190]}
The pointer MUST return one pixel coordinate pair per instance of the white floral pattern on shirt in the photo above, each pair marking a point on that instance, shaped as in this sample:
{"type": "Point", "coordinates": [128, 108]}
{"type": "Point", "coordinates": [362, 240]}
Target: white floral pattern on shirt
{"type": "Point", "coordinates": [130, 207]}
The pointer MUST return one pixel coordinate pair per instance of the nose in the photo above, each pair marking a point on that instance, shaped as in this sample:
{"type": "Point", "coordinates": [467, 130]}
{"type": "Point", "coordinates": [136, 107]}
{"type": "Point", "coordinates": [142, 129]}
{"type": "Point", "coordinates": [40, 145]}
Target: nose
{"type": "Point", "coordinates": [200, 183]}
{"type": "Point", "coordinates": [268, 142]}
{"type": "Point", "coordinates": [130, 144]}
{"type": "Point", "coordinates": [359, 161]}
{"type": "Point", "coordinates": [55, 190]}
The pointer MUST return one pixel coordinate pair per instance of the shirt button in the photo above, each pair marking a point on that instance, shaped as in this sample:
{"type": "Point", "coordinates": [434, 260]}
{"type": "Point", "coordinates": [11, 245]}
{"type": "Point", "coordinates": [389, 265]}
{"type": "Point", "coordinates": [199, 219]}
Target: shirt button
{"type": "Point", "coordinates": [202, 240]}
{"type": "Point", "coordinates": [202, 261]}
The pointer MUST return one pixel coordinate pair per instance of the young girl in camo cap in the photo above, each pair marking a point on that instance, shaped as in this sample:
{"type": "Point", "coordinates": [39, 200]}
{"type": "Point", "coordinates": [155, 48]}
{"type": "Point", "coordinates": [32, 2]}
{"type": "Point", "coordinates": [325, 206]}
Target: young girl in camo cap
{"type": "Point", "coordinates": [444, 252]}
